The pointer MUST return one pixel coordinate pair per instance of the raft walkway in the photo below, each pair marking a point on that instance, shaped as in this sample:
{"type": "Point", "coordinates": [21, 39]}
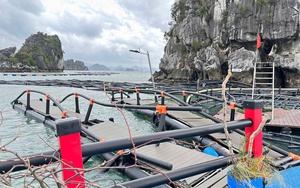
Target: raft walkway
{"type": "Point", "coordinates": [282, 118]}
{"type": "Point", "coordinates": [176, 155]}
{"type": "Point", "coordinates": [193, 120]}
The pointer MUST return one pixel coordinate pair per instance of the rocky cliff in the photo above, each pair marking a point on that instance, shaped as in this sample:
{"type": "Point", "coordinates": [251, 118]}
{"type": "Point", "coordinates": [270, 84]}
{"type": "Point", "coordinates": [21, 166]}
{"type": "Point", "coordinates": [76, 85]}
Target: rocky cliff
{"type": "Point", "coordinates": [40, 52]}
{"type": "Point", "coordinates": [70, 64]}
{"type": "Point", "coordinates": [208, 36]}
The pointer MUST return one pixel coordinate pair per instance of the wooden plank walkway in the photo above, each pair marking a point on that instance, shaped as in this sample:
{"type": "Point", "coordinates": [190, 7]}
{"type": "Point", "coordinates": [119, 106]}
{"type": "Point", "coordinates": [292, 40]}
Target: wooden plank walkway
{"type": "Point", "coordinates": [185, 117]}
{"type": "Point", "coordinates": [189, 118]}
{"type": "Point", "coordinates": [194, 120]}
{"type": "Point", "coordinates": [282, 117]}
{"type": "Point", "coordinates": [178, 156]}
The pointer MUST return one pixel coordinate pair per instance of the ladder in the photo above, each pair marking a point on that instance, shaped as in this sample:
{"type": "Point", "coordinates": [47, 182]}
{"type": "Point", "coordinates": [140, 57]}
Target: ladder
{"type": "Point", "coordinates": [263, 84]}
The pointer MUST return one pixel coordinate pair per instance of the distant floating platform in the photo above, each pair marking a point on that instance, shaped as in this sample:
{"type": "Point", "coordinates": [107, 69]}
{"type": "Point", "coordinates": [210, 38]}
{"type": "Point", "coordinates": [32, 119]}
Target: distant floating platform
{"type": "Point", "coordinates": [282, 118]}
{"type": "Point", "coordinates": [85, 73]}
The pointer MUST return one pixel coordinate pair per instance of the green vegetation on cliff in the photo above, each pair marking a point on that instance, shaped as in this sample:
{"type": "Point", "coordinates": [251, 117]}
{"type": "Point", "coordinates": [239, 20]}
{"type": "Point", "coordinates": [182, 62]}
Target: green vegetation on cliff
{"type": "Point", "coordinates": [41, 50]}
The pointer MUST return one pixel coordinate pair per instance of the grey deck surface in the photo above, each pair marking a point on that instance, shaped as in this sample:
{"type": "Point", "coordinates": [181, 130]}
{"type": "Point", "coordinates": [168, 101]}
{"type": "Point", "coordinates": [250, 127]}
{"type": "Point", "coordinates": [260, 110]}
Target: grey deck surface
{"type": "Point", "coordinates": [110, 130]}
{"type": "Point", "coordinates": [142, 102]}
{"type": "Point", "coordinates": [182, 116]}
{"type": "Point", "coordinates": [177, 155]}
{"type": "Point", "coordinates": [216, 181]}
{"type": "Point", "coordinates": [55, 112]}
{"type": "Point", "coordinates": [189, 118]}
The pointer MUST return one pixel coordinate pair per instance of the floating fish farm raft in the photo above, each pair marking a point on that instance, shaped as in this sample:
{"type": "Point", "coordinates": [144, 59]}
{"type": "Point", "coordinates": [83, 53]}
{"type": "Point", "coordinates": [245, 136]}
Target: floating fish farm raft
{"type": "Point", "coordinates": [185, 115]}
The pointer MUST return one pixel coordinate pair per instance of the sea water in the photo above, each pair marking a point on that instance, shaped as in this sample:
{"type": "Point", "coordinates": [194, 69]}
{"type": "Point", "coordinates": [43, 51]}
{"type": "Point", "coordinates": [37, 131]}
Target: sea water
{"type": "Point", "coordinates": [27, 136]}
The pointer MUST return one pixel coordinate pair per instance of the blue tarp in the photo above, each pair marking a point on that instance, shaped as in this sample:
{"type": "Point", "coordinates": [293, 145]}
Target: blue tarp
{"type": "Point", "coordinates": [289, 178]}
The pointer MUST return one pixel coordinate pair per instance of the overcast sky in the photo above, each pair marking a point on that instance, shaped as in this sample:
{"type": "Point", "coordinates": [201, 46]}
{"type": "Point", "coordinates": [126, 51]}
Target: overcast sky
{"type": "Point", "coordinates": [93, 31]}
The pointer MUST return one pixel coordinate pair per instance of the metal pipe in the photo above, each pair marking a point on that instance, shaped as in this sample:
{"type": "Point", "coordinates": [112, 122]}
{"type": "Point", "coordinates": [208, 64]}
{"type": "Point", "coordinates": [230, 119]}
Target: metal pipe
{"type": "Point", "coordinates": [285, 141]}
{"type": "Point", "coordinates": [178, 174]}
{"type": "Point", "coordinates": [272, 147]}
{"type": "Point", "coordinates": [232, 114]}
{"type": "Point", "coordinates": [111, 160]}
{"type": "Point", "coordinates": [121, 93]}
{"type": "Point", "coordinates": [152, 77]}
{"type": "Point", "coordinates": [281, 135]}
{"type": "Point", "coordinates": [114, 145]}
{"type": "Point", "coordinates": [157, 162]}
{"type": "Point", "coordinates": [35, 160]}
{"type": "Point", "coordinates": [138, 98]}
{"type": "Point", "coordinates": [161, 125]}
{"type": "Point", "coordinates": [204, 141]}
{"type": "Point", "coordinates": [47, 105]}
{"type": "Point", "coordinates": [76, 103]}
{"type": "Point", "coordinates": [184, 96]}
{"type": "Point", "coordinates": [88, 113]}
{"type": "Point", "coordinates": [291, 164]}
{"type": "Point", "coordinates": [28, 100]}
{"type": "Point", "coordinates": [282, 161]}
{"type": "Point", "coordinates": [162, 98]}
{"type": "Point", "coordinates": [112, 94]}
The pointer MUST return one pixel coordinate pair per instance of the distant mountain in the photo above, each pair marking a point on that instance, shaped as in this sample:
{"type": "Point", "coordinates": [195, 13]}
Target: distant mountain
{"type": "Point", "coordinates": [40, 52]}
{"type": "Point", "coordinates": [98, 67]}
{"type": "Point", "coordinates": [118, 68]}
{"type": "Point", "coordinates": [129, 69]}
{"type": "Point", "coordinates": [70, 64]}
{"type": "Point", "coordinates": [134, 68]}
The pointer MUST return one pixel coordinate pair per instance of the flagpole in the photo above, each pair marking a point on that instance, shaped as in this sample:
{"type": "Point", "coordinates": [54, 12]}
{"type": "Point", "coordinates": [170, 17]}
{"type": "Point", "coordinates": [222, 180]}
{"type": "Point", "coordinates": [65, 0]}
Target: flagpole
{"type": "Point", "coordinates": [258, 44]}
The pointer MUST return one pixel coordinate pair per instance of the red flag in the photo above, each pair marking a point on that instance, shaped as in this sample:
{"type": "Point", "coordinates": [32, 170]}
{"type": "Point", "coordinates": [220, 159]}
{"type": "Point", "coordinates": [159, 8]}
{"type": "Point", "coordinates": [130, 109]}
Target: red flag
{"type": "Point", "coordinates": [258, 42]}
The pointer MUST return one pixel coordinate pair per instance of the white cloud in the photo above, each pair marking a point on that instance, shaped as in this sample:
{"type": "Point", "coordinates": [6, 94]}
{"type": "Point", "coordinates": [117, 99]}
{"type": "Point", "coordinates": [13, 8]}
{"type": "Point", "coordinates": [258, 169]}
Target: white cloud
{"type": "Point", "coordinates": [92, 31]}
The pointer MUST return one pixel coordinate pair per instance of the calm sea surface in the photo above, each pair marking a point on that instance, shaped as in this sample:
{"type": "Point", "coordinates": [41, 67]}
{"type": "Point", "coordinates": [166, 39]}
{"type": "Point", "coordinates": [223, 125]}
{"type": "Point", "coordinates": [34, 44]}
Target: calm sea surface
{"type": "Point", "coordinates": [33, 137]}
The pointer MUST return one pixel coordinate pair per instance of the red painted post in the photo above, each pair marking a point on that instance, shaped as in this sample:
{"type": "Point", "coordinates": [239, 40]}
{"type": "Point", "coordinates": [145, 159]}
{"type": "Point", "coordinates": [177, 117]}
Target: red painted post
{"type": "Point", "coordinates": [253, 110]}
{"type": "Point", "coordinates": [68, 132]}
